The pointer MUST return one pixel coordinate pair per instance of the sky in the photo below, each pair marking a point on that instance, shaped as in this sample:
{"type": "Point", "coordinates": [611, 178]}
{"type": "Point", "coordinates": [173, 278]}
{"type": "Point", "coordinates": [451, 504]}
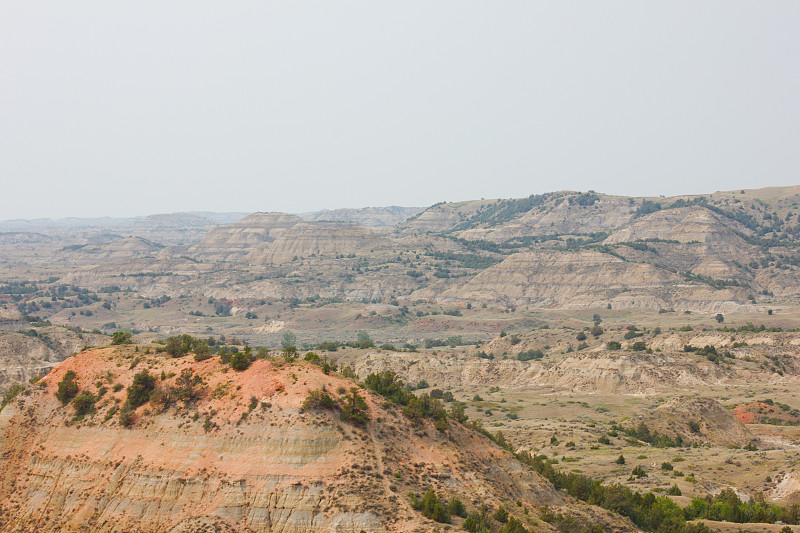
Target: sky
{"type": "Point", "coordinates": [134, 108]}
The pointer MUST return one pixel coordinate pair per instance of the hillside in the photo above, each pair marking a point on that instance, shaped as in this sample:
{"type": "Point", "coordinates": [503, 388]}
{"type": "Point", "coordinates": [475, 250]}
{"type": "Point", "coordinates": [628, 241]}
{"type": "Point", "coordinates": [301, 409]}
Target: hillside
{"type": "Point", "coordinates": [238, 452]}
{"type": "Point", "coordinates": [371, 217]}
{"type": "Point", "coordinates": [31, 352]}
{"type": "Point", "coordinates": [729, 252]}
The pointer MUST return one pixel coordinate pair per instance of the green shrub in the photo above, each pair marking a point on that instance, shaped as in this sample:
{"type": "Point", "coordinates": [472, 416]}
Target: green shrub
{"type": "Point", "coordinates": [12, 392]}
{"type": "Point", "coordinates": [478, 521]}
{"type": "Point", "coordinates": [501, 515]}
{"type": "Point", "coordinates": [140, 390]}
{"type": "Point", "coordinates": [319, 399]}
{"type": "Point", "coordinates": [457, 508]}
{"type": "Point", "coordinates": [188, 386]}
{"type": "Point", "coordinates": [431, 507]}
{"type": "Point", "coordinates": [240, 361]}
{"type": "Point", "coordinates": [67, 388]}
{"type": "Point", "coordinates": [515, 526]}
{"type": "Point", "coordinates": [354, 408]}
{"type": "Point", "coordinates": [529, 355]}
{"type": "Point", "coordinates": [126, 417]}
{"type": "Point", "coordinates": [121, 337]}
{"type": "Point", "coordinates": [84, 403]}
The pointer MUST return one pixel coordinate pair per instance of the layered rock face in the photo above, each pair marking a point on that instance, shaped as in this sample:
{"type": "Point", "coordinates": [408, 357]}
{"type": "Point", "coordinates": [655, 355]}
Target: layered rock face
{"type": "Point", "coordinates": [564, 249]}
{"type": "Point", "coordinates": [561, 214]}
{"type": "Point", "coordinates": [245, 456]}
{"type": "Point", "coordinates": [699, 420]}
{"type": "Point", "coordinates": [319, 238]}
{"type": "Point", "coordinates": [595, 371]}
{"type": "Point", "coordinates": [581, 279]}
{"type": "Point", "coordinates": [691, 239]}
{"type": "Point", "coordinates": [232, 242]}
{"type": "Point", "coordinates": [126, 248]}
{"type": "Point", "coordinates": [27, 355]}
{"type": "Point", "coordinates": [371, 217]}
{"type": "Point", "coordinates": [685, 225]}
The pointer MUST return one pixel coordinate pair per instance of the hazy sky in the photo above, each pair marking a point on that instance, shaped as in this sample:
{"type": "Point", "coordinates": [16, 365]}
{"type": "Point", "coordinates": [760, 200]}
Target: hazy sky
{"type": "Point", "coordinates": [131, 108]}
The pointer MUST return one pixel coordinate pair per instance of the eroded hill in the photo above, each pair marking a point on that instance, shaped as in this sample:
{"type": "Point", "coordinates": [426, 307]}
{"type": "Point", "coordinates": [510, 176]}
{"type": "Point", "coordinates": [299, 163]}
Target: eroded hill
{"type": "Point", "coordinates": [238, 450]}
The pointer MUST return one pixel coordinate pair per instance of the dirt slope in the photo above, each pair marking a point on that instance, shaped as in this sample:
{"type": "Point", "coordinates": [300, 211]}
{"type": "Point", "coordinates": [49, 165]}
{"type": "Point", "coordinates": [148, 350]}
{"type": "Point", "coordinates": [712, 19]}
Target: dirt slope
{"type": "Point", "coordinates": [244, 457]}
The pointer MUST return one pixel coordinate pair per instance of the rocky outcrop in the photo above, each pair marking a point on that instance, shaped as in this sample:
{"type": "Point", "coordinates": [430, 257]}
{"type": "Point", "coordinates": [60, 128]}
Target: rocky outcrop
{"type": "Point", "coordinates": [234, 241]}
{"type": "Point", "coordinates": [562, 213]}
{"type": "Point", "coordinates": [126, 248]}
{"type": "Point", "coordinates": [585, 279]}
{"type": "Point", "coordinates": [685, 225]}
{"type": "Point", "coordinates": [249, 459]}
{"type": "Point", "coordinates": [371, 217]}
{"type": "Point", "coordinates": [33, 353]}
{"type": "Point", "coordinates": [588, 371]}
{"type": "Point", "coordinates": [319, 238]}
{"type": "Point", "coordinates": [700, 420]}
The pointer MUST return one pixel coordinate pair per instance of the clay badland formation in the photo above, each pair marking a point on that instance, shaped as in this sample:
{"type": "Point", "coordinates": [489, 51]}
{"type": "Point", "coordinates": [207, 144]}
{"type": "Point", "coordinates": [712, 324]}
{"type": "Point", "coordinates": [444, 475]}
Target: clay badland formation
{"type": "Point", "coordinates": [241, 450]}
{"type": "Point", "coordinates": [617, 358]}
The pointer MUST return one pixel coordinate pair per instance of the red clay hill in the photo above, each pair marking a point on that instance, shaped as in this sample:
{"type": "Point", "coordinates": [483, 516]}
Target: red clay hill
{"type": "Point", "coordinates": [280, 446]}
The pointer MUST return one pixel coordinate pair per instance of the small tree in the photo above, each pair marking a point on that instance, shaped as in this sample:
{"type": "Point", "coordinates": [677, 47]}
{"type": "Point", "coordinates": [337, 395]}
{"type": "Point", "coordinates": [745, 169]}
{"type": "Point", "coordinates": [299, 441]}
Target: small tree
{"type": "Point", "coordinates": [290, 353]}
{"type": "Point", "coordinates": [67, 388]}
{"type": "Point", "coordinates": [457, 508]}
{"type": "Point", "coordinates": [121, 337]}
{"type": "Point", "coordinates": [240, 361]}
{"type": "Point", "coordinates": [501, 515]}
{"type": "Point", "coordinates": [202, 351]}
{"type": "Point", "coordinates": [431, 507]}
{"type": "Point", "coordinates": [354, 408]}
{"type": "Point", "coordinates": [720, 318]}
{"type": "Point", "coordinates": [84, 403]}
{"type": "Point", "coordinates": [288, 339]}
{"type": "Point", "coordinates": [139, 392]}
{"type": "Point", "coordinates": [318, 399]}
{"type": "Point", "coordinates": [363, 340]}
{"type": "Point", "coordinates": [189, 386]}
{"type": "Point", "coordinates": [126, 416]}
{"type": "Point", "coordinates": [621, 460]}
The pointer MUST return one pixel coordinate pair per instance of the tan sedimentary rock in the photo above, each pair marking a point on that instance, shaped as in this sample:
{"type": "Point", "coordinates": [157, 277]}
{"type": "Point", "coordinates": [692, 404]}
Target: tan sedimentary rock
{"type": "Point", "coordinates": [372, 217]}
{"type": "Point", "coordinates": [251, 460]}
{"type": "Point", "coordinates": [701, 420]}
{"type": "Point", "coordinates": [234, 241]}
{"type": "Point", "coordinates": [585, 279]}
{"type": "Point", "coordinates": [23, 356]}
{"type": "Point", "coordinates": [319, 238]}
